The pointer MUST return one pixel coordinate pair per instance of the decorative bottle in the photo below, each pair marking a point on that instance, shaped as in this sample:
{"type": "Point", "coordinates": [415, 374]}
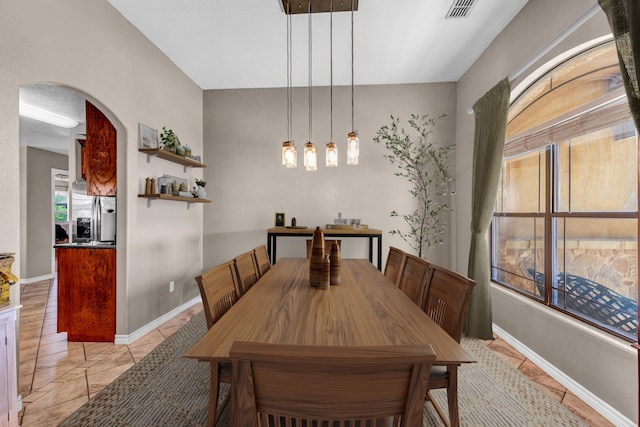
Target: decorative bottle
{"type": "Point", "coordinates": [147, 187]}
{"type": "Point", "coordinates": [335, 263]}
{"type": "Point", "coordinates": [315, 260]}
{"type": "Point", "coordinates": [326, 272]}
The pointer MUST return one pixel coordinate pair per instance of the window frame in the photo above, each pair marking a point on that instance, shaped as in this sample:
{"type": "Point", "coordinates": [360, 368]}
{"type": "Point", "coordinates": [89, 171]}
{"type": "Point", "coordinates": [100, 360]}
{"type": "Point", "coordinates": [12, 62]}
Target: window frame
{"type": "Point", "coordinates": [609, 111]}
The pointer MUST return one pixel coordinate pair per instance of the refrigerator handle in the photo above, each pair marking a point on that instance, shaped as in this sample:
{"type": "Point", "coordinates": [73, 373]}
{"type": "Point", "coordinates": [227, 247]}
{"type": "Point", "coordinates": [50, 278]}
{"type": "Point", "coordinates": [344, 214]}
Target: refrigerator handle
{"type": "Point", "coordinates": [96, 218]}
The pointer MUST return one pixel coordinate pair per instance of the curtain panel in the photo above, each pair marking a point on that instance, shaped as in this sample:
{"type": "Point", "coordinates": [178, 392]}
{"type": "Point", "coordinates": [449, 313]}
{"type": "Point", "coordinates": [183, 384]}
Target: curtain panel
{"type": "Point", "coordinates": [490, 130]}
{"type": "Point", "coordinates": [624, 20]}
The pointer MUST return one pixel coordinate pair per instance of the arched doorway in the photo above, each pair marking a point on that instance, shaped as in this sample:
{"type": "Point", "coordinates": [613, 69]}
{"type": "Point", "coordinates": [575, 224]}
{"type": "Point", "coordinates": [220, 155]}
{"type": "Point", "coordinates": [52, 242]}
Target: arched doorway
{"type": "Point", "coordinates": [49, 145]}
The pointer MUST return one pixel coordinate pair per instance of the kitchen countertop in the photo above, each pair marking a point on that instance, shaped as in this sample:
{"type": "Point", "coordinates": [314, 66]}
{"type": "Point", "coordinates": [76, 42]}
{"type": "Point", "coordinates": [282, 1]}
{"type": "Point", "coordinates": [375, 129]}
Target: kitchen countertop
{"type": "Point", "coordinates": [86, 245]}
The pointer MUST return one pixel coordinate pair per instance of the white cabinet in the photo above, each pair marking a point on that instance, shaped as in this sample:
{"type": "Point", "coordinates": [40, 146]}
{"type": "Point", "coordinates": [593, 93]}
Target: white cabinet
{"type": "Point", "coordinates": [8, 369]}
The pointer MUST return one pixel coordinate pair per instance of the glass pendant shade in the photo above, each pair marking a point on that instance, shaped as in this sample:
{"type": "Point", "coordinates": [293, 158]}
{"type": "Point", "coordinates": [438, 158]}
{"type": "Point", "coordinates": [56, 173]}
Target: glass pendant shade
{"type": "Point", "coordinates": [289, 154]}
{"type": "Point", "coordinates": [331, 155]}
{"type": "Point", "coordinates": [353, 148]}
{"type": "Point", "coordinates": [310, 156]}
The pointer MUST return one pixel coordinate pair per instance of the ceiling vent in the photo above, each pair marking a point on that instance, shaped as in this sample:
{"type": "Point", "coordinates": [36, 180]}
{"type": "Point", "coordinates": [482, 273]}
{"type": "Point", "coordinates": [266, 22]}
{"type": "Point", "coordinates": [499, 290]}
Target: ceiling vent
{"type": "Point", "coordinates": [460, 9]}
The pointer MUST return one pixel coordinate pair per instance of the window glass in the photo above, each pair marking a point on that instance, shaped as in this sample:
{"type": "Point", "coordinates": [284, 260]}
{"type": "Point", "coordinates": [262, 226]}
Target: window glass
{"type": "Point", "coordinates": [597, 171]}
{"type": "Point", "coordinates": [595, 271]}
{"type": "Point", "coordinates": [519, 253]}
{"type": "Point", "coordinates": [577, 82]}
{"type": "Point", "coordinates": [523, 183]}
{"type": "Point", "coordinates": [61, 206]}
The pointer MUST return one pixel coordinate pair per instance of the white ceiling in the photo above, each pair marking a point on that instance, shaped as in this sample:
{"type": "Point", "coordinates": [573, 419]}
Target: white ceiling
{"type": "Point", "coordinates": [59, 100]}
{"type": "Point", "coordinates": [223, 44]}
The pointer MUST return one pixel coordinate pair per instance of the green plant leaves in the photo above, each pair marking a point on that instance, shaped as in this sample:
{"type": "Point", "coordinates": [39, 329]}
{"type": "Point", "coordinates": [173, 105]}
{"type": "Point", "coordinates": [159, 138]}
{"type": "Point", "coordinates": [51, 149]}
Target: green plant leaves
{"type": "Point", "coordinates": [424, 164]}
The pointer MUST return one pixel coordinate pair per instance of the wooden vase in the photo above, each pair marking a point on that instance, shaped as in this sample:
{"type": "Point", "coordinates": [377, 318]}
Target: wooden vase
{"type": "Point", "coordinates": [335, 263]}
{"type": "Point", "coordinates": [315, 260]}
{"type": "Point", "coordinates": [326, 272]}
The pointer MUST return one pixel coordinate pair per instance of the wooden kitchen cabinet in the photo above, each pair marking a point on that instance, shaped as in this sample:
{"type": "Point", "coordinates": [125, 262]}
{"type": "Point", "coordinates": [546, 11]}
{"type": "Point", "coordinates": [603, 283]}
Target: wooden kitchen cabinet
{"type": "Point", "coordinates": [8, 368]}
{"type": "Point", "coordinates": [87, 293]}
{"type": "Point", "coordinates": [99, 154]}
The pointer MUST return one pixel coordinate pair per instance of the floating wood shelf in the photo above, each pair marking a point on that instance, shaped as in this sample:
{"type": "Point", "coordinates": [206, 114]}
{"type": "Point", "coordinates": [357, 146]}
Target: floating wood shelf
{"type": "Point", "coordinates": [163, 154]}
{"type": "Point", "coordinates": [188, 200]}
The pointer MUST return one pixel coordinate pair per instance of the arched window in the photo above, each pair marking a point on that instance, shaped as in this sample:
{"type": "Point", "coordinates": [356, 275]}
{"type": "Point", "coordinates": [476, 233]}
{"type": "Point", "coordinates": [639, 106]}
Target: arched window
{"type": "Point", "coordinates": [565, 225]}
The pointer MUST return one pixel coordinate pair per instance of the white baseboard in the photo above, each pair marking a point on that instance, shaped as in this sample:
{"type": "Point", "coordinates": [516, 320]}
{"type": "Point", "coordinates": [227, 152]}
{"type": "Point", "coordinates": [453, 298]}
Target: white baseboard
{"type": "Point", "coordinates": [587, 396]}
{"type": "Point", "coordinates": [35, 279]}
{"type": "Point", "coordinates": [128, 339]}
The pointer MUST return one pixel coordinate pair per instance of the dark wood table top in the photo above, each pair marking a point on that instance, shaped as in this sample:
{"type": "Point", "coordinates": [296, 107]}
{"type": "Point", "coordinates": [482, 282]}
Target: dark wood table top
{"type": "Point", "coordinates": [366, 309]}
{"type": "Point", "coordinates": [326, 231]}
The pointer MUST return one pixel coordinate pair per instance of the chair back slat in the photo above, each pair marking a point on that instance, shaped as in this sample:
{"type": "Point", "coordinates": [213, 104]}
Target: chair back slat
{"type": "Point", "coordinates": [247, 271]}
{"type": "Point", "coordinates": [395, 264]}
{"type": "Point", "coordinates": [447, 299]}
{"type": "Point", "coordinates": [414, 277]}
{"type": "Point", "coordinates": [262, 259]}
{"type": "Point", "coordinates": [219, 291]}
{"type": "Point", "coordinates": [329, 384]}
{"type": "Point", "coordinates": [327, 246]}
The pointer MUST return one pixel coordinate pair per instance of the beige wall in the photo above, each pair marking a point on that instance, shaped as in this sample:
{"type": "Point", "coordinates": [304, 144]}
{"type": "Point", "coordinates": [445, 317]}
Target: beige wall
{"type": "Point", "coordinates": [243, 133]}
{"type": "Point", "coordinates": [91, 48]}
{"type": "Point", "coordinates": [606, 366]}
{"type": "Point", "coordinates": [37, 252]}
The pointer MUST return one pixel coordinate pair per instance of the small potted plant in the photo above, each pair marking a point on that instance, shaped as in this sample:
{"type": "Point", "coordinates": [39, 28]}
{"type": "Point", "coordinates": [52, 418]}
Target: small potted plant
{"type": "Point", "coordinates": [169, 139]}
{"type": "Point", "coordinates": [200, 191]}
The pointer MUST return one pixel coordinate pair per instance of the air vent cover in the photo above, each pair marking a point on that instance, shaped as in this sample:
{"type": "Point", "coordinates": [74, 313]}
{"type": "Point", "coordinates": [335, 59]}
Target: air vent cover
{"type": "Point", "coordinates": [460, 9]}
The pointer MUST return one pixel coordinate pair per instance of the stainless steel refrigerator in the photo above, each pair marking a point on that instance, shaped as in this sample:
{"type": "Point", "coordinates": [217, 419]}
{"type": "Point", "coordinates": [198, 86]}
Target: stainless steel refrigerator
{"type": "Point", "coordinates": [93, 217]}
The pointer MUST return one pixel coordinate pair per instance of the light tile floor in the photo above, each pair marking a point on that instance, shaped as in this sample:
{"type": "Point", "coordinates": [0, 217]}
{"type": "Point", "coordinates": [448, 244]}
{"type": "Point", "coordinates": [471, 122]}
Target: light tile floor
{"type": "Point", "coordinates": [56, 377]}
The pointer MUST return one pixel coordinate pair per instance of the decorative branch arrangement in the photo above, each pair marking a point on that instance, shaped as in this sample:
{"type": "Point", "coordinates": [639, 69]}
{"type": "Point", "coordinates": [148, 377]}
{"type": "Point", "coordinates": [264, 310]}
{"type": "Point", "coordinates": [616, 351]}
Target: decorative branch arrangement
{"type": "Point", "coordinates": [425, 165]}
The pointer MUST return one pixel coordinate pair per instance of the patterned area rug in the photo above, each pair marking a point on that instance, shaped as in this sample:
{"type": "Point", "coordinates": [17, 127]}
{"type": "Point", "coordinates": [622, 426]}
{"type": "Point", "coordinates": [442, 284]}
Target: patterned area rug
{"type": "Point", "coordinates": [165, 389]}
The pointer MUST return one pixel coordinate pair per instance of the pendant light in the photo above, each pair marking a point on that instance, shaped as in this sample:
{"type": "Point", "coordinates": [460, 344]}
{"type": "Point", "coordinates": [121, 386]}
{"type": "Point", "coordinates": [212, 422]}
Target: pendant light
{"type": "Point", "coordinates": [310, 151]}
{"type": "Point", "coordinates": [353, 140]}
{"type": "Point", "coordinates": [289, 151]}
{"type": "Point", "coordinates": [331, 150]}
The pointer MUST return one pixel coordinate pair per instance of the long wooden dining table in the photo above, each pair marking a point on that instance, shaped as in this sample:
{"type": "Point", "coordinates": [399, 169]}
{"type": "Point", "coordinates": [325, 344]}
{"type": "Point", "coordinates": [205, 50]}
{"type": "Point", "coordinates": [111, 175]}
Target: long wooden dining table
{"type": "Point", "coordinates": [365, 309]}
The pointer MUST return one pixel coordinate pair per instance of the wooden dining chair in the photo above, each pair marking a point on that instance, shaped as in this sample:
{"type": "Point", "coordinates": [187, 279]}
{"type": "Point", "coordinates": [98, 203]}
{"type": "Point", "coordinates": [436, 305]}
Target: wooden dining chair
{"type": "Point", "coordinates": [327, 245]}
{"type": "Point", "coordinates": [447, 299]}
{"type": "Point", "coordinates": [262, 259]}
{"type": "Point", "coordinates": [325, 385]}
{"type": "Point", "coordinates": [395, 264]}
{"type": "Point", "coordinates": [247, 271]}
{"type": "Point", "coordinates": [219, 291]}
{"type": "Point", "coordinates": [414, 278]}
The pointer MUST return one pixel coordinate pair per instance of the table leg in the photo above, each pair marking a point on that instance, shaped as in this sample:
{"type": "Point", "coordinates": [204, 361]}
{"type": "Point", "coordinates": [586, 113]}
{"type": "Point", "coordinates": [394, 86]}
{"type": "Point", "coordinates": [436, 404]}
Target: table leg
{"type": "Point", "coordinates": [452, 396]}
{"type": "Point", "coordinates": [269, 248]}
{"type": "Point", "coordinates": [379, 252]}
{"type": "Point", "coordinates": [371, 250]}
{"type": "Point", "coordinates": [213, 396]}
{"type": "Point", "coordinates": [274, 248]}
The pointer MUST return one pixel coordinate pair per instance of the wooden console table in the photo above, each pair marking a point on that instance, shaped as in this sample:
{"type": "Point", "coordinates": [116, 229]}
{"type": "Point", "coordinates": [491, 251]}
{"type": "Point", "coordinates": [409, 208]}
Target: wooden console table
{"type": "Point", "coordinates": [275, 232]}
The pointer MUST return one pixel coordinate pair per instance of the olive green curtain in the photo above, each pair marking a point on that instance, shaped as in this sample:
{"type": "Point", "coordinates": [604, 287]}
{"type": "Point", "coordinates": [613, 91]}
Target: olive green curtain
{"type": "Point", "coordinates": [624, 20]}
{"type": "Point", "coordinates": [491, 124]}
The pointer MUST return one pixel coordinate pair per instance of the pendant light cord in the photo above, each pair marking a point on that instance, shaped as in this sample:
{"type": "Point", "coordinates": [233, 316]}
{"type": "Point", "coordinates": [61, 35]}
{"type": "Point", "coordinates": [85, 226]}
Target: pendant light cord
{"type": "Point", "coordinates": [331, 67]}
{"type": "Point", "coordinates": [310, 74]}
{"type": "Point", "coordinates": [289, 74]}
{"type": "Point", "coordinates": [352, 103]}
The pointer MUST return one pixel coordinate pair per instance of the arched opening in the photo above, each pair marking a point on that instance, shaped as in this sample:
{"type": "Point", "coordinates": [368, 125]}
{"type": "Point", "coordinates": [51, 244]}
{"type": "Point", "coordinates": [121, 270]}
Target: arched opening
{"type": "Point", "coordinates": [45, 147]}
